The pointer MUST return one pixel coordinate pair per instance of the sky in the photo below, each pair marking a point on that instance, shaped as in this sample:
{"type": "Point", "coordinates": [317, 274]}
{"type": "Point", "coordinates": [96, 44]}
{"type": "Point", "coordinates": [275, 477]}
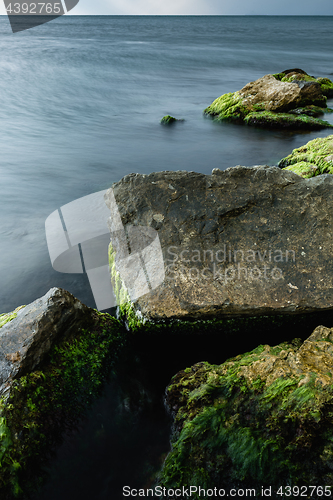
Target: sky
{"type": "Point", "coordinates": [204, 7]}
{"type": "Point", "coordinates": [200, 7]}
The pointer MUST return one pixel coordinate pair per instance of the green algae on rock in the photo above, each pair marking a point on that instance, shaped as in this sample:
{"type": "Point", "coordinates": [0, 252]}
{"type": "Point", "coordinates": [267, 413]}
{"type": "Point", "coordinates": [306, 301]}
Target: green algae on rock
{"type": "Point", "coordinates": [169, 120]}
{"type": "Point", "coordinates": [314, 158]}
{"type": "Point", "coordinates": [290, 99]}
{"type": "Point", "coordinates": [6, 317]}
{"type": "Point", "coordinates": [263, 418]}
{"type": "Point", "coordinates": [41, 404]}
{"type": "Point", "coordinates": [296, 74]}
{"type": "Point", "coordinates": [285, 120]}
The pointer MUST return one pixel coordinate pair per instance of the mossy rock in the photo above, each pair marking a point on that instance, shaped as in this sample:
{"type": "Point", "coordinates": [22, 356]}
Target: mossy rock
{"type": "Point", "coordinates": [297, 74]}
{"type": "Point", "coordinates": [169, 120]}
{"type": "Point", "coordinates": [263, 418]}
{"type": "Point", "coordinates": [298, 100]}
{"type": "Point", "coordinates": [314, 158]}
{"type": "Point", "coordinates": [43, 404]}
{"type": "Point", "coordinates": [285, 120]}
{"type": "Point", "coordinates": [228, 107]}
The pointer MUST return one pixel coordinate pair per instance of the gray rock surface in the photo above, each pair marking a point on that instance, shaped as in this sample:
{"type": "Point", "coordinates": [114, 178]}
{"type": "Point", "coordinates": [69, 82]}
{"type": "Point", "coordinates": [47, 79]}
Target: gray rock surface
{"type": "Point", "coordinates": [281, 96]}
{"type": "Point", "coordinates": [26, 340]}
{"type": "Point", "coordinates": [247, 240]}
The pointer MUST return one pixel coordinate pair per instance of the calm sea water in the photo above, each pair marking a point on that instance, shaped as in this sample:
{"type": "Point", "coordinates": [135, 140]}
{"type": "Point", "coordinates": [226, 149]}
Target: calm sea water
{"type": "Point", "coordinates": [81, 101]}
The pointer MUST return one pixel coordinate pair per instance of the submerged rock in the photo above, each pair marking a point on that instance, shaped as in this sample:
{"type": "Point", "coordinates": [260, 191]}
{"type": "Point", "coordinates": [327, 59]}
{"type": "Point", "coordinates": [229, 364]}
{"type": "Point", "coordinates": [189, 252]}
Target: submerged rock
{"type": "Point", "coordinates": [244, 241]}
{"type": "Point", "coordinates": [314, 158]}
{"type": "Point", "coordinates": [283, 100]}
{"type": "Point", "coordinates": [169, 120]}
{"type": "Point", "coordinates": [263, 418]}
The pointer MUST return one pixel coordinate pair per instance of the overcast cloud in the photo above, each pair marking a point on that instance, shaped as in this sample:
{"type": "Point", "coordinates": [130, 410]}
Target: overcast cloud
{"type": "Point", "coordinates": [201, 7]}
{"type": "Point", "coordinates": [205, 7]}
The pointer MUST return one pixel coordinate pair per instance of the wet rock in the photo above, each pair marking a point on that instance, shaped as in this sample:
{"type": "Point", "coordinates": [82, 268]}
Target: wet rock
{"type": "Point", "coordinates": [244, 241]}
{"type": "Point", "coordinates": [262, 418]}
{"type": "Point", "coordinates": [281, 96]}
{"type": "Point", "coordinates": [270, 101]}
{"type": "Point", "coordinates": [169, 120]}
{"type": "Point", "coordinates": [55, 357]}
{"type": "Point", "coordinates": [314, 158]}
{"type": "Point", "coordinates": [28, 337]}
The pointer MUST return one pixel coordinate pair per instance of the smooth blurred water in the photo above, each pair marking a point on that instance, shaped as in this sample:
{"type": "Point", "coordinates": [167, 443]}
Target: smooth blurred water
{"type": "Point", "coordinates": [81, 101]}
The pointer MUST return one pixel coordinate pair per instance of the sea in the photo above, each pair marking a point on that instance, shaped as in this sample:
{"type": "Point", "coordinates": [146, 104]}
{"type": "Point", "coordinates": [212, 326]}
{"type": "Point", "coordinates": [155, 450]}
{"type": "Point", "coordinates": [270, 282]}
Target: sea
{"type": "Point", "coordinates": [81, 102]}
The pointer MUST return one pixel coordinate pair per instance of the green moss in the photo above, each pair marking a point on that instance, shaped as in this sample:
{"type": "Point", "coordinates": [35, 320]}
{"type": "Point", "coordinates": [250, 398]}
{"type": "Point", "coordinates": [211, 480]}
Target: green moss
{"type": "Point", "coordinates": [232, 107]}
{"type": "Point", "coordinates": [5, 318]}
{"type": "Point", "coordinates": [268, 434]}
{"type": "Point", "coordinates": [326, 86]}
{"type": "Point", "coordinates": [227, 107]}
{"type": "Point", "coordinates": [285, 120]}
{"type": "Point", "coordinates": [325, 83]}
{"type": "Point", "coordinates": [279, 76]}
{"type": "Point", "coordinates": [169, 120]}
{"type": "Point", "coordinates": [304, 169]}
{"type": "Point", "coordinates": [46, 402]}
{"type": "Point", "coordinates": [126, 310]}
{"type": "Point", "coordinates": [310, 111]}
{"type": "Point", "coordinates": [312, 159]}
{"type": "Point", "coordinates": [298, 77]}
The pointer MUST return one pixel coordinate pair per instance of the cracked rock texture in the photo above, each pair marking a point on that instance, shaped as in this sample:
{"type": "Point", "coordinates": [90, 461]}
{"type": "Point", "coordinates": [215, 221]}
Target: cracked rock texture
{"type": "Point", "coordinates": [247, 240]}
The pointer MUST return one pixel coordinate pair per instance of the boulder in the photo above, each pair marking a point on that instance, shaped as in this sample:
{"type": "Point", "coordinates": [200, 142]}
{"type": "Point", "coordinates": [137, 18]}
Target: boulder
{"type": "Point", "coordinates": [260, 419]}
{"type": "Point", "coordinates": [244, 241]}
{"type": "Point", "coordinates": [55, 357]}
{"type": "Point", "coordinates": [314, 158]}
{"type": "Point", "coordinates": [272, 101]}
{"type": "Point", "coordinates": [32, 330]}
{"type": "Point", "coordinates": [279, 96]}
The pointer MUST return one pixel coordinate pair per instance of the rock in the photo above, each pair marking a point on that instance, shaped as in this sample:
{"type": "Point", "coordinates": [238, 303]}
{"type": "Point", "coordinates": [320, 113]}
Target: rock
{"type": "Point", "coordinates": [244, 241]}
{"type": "Point", "coordinates": [27, 338]}
{"type": "Point", "coordinates": [6, 317]}
{"type": "Point", "coordinates": [168, 120]}
{"type": "Point", "coordinates": [312, 159]}
{"type": "Point", "coordinates": [281, 97]}
{"type": "Point", "coordinates": [308, 110]}
{"type": "Point", "coordinates": [55, 357]}
{"type": "Point", "coordinates": [291, 75]}
{"type": "Point", "coordinates": [272, 101]}
{"type": "Point", "coordinates": [260, 419]}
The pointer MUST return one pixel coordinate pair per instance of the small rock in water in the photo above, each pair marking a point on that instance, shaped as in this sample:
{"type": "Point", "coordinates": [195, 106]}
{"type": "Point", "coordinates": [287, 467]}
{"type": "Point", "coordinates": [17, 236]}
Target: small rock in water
{"type": "Point", "coordinates": [168, 120]}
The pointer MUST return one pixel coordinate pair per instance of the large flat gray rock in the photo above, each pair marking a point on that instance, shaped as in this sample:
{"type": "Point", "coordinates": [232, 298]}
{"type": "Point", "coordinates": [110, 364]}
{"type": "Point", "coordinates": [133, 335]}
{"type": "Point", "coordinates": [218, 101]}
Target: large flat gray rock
{"type": "Point", "coordinates": [244, 241]}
